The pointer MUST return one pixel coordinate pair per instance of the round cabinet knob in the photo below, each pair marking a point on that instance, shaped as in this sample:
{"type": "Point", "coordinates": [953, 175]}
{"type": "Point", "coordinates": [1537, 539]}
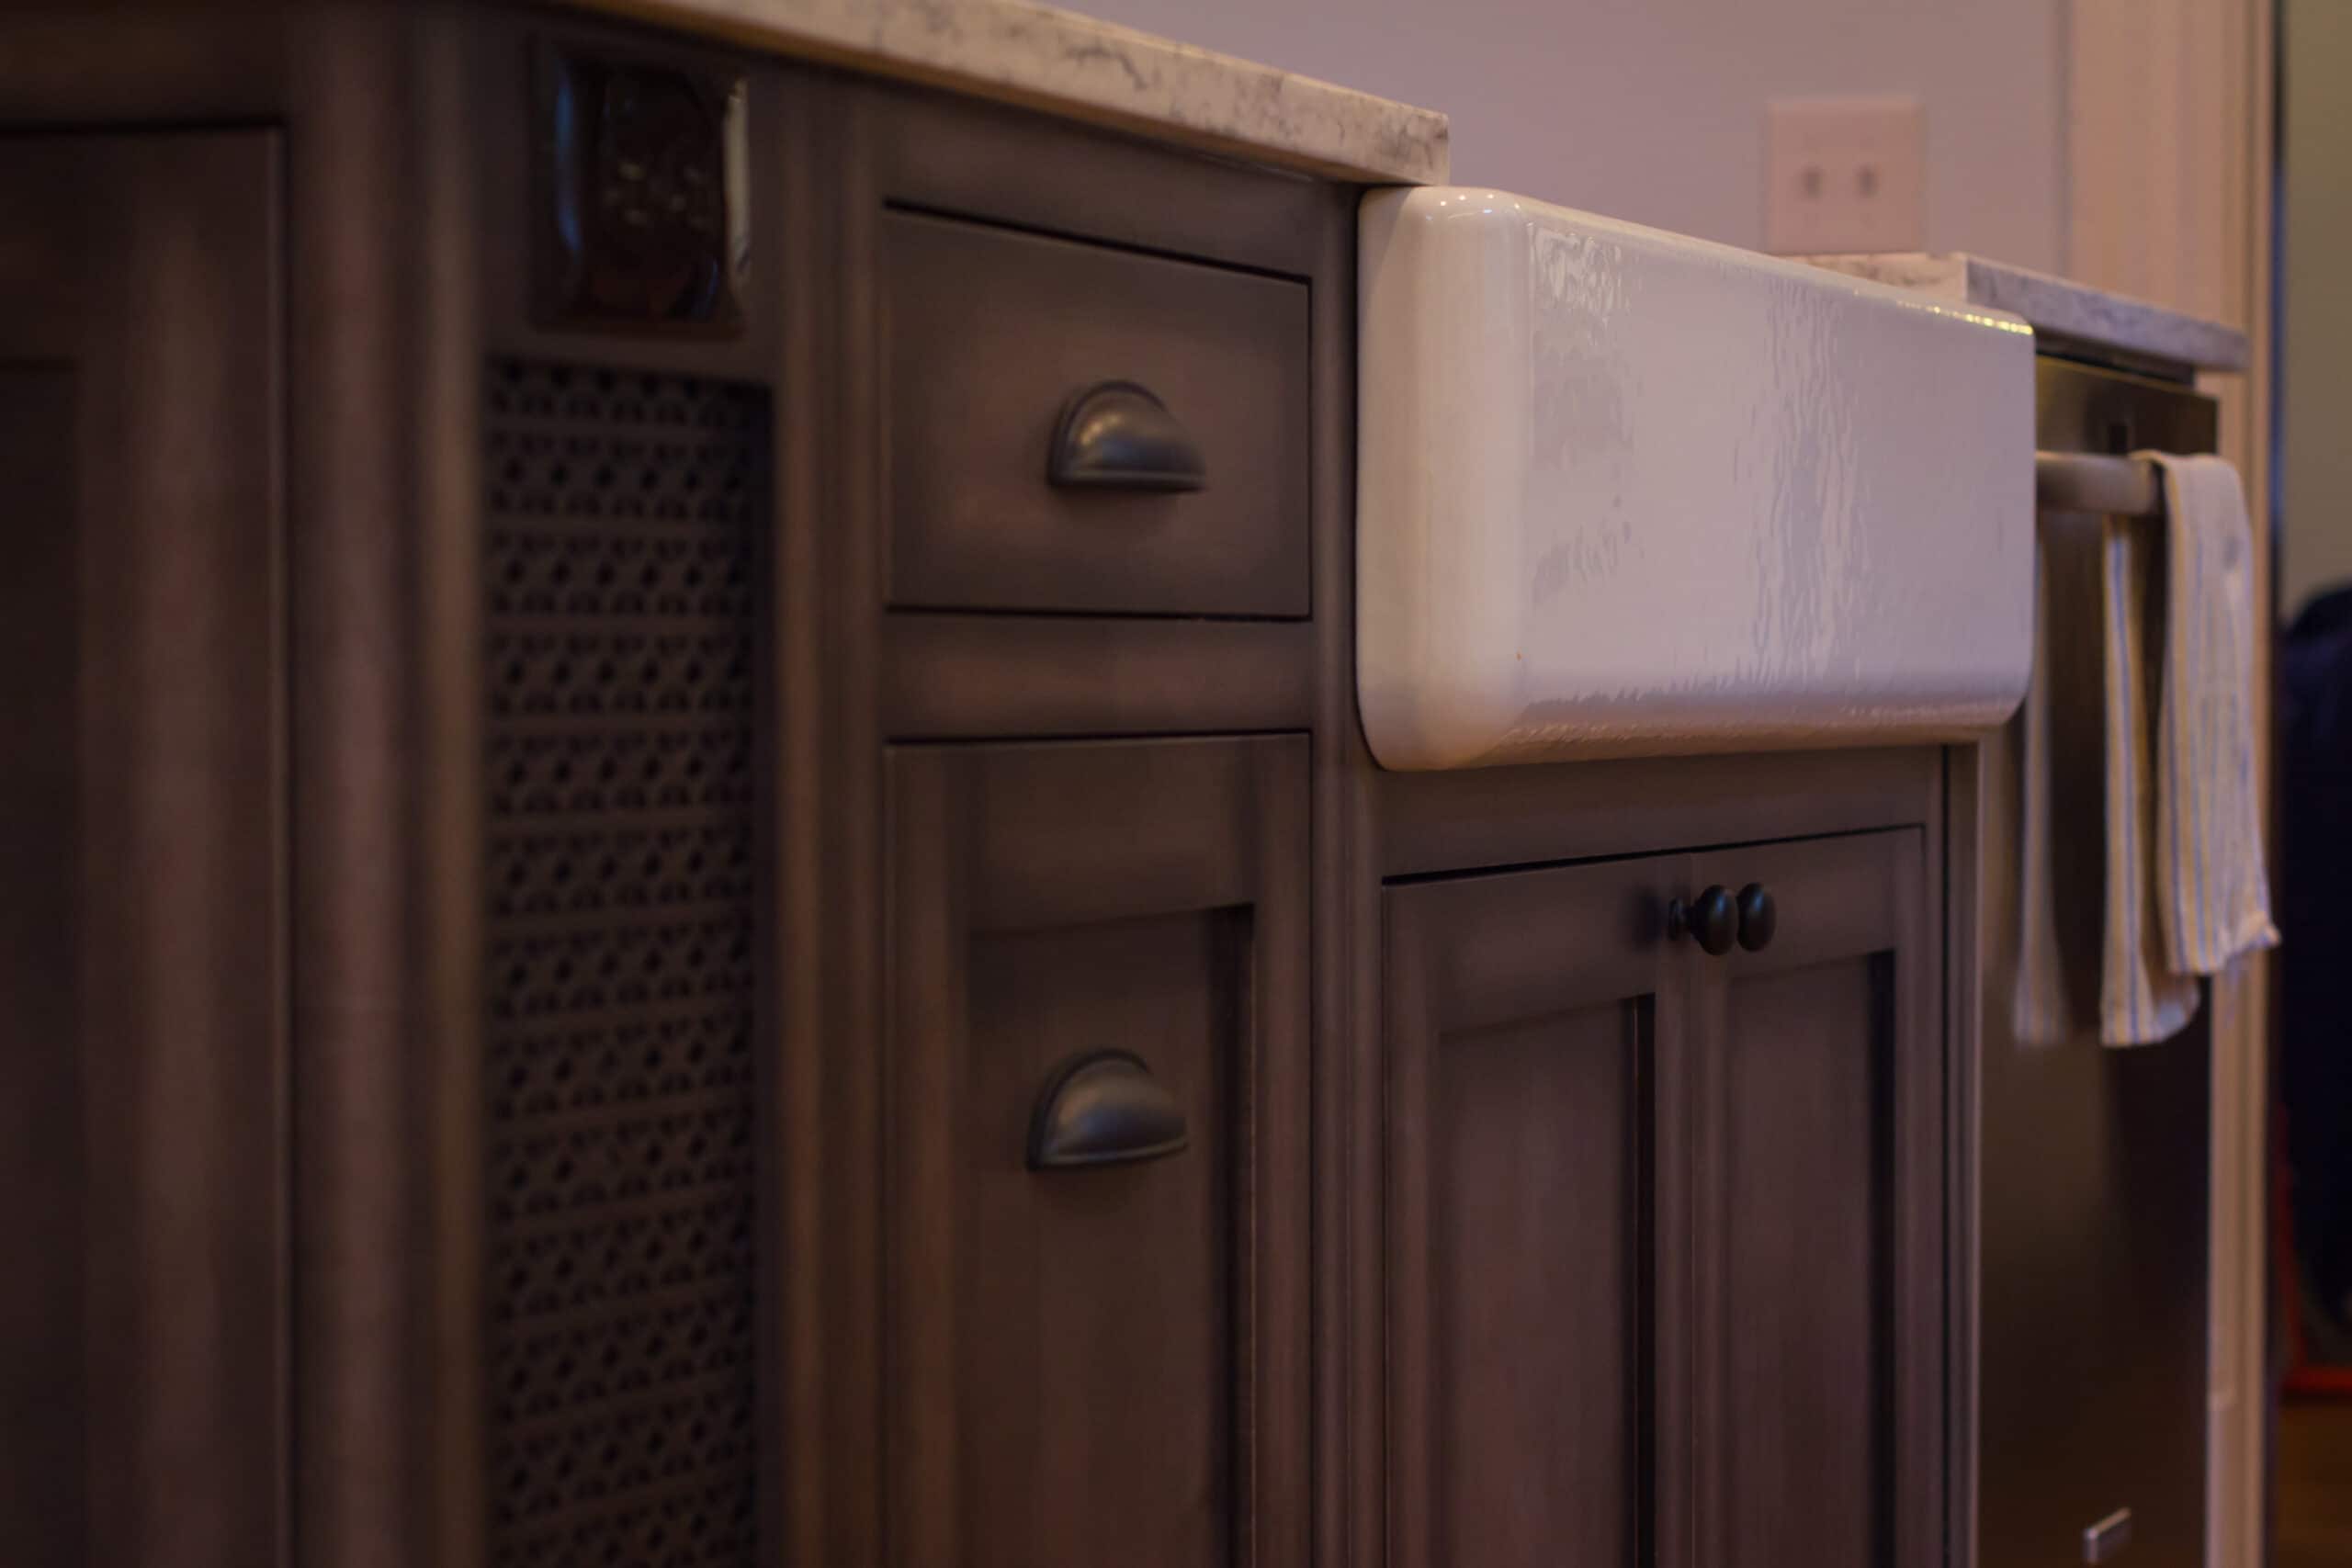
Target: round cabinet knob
{"type": "Point", "coordinates": [1708, 920]}
{"type": "Point", "coordinates": [1758, 918]}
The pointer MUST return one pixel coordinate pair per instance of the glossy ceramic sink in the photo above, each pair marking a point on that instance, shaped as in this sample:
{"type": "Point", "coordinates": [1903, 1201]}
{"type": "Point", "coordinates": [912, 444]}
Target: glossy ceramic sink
{"type": "Point", "coordinates": [1624, 493]}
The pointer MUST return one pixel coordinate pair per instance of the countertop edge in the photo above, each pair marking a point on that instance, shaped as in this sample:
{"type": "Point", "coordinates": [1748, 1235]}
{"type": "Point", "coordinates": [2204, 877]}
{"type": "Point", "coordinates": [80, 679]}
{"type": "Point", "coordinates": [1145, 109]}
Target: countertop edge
{"type": "Point", "coordinates": [1041, 57]}
{"type": "Point", "coordinates": [2055, 305]}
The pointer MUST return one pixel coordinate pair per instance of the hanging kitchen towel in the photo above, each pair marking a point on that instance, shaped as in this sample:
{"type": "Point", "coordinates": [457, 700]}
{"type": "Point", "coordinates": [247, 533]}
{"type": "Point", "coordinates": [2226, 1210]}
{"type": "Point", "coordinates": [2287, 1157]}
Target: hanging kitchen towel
{"type": "Point", "coordinates": [2090, 960]}
{"type": "Point", "coordinates": [2212, 889]}
{"type": "Point", "coordinates": [2141, 998]}
{"type": "Point", "coordinates": [2139, 832]}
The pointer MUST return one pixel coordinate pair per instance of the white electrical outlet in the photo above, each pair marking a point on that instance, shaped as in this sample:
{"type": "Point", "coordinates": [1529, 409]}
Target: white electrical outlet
{"type": "Point", "coordinates": [1845, 174]}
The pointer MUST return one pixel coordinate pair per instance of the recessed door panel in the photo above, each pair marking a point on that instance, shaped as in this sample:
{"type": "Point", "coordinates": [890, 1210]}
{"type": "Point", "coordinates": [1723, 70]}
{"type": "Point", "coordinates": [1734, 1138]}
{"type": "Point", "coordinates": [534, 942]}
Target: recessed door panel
{"type": "Point", "coordinates": [143, 1288]}
{"type": "Point", "coordinates": [1818, 1319]}
{"type": "Point", "coordinates": [1530, 1019]}
{"type": "Point", "coordinates": [1097, 1155]}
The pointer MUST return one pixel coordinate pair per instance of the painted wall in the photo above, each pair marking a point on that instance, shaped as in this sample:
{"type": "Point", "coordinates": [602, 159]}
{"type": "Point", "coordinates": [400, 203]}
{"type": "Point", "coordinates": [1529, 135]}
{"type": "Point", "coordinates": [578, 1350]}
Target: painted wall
{"type": "Point", "coordinates": [1652, 110]}
{"type": "Point", "coordinates": [2314, 305]}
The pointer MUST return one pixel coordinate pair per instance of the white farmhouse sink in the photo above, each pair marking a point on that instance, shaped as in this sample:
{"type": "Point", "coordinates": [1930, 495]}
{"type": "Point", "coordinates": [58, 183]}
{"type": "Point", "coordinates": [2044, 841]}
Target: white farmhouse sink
{"type": "Point", "coordinates": [1624, 493]}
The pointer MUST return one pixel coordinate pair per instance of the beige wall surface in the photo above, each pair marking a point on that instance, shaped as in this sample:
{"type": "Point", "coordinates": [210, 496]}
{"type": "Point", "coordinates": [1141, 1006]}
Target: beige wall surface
{"type": "Point", "coordinates": [1652, 110]}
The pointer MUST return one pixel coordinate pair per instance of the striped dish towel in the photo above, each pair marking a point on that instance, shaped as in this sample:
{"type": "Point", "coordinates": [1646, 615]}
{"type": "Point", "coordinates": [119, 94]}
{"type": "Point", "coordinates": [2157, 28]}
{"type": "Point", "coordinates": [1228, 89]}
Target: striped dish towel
{"type": "Point", "coordinates": [2213, 891]}
{"type": "Point", "coordinates": [2161, 796]}
{"type": "Point", "coordinates": [2141, 998]}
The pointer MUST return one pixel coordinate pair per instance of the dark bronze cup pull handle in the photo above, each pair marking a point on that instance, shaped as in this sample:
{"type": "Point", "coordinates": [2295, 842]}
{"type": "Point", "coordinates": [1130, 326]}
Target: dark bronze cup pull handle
{"type": "Point", "coordinates": [1102, 1108]}
{"type": "Point", "coordinates": [1119, 435]}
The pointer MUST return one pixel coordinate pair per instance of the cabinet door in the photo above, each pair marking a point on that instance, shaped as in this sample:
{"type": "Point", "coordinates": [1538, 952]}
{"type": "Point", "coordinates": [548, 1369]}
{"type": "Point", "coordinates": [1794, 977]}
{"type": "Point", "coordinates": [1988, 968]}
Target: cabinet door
{"type": "Point", "coordinates": [142, 1079]}
{"type": "Point", "coordinates": [1531, 1018]}
{"type": "Point", "coordinates": [1105, 1363]}
{"type": "Point", "coordinates": [1816, 1213]}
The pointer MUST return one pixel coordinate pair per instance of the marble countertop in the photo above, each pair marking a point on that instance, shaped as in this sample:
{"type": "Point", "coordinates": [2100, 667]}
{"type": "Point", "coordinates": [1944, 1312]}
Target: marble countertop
{"type": "Point", "coordinates": [2056, 306]}
{"type": "Point", "coordinates": [1074, 65]}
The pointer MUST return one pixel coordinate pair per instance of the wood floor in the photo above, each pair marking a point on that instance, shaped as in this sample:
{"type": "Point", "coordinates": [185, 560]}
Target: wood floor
{"type": "Point", "coordinates": [2312, 1528]}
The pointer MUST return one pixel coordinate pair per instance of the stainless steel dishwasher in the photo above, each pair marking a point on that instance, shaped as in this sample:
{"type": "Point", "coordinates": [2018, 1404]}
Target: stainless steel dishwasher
{"type": "Point", "coordinates": [2094, 1163]}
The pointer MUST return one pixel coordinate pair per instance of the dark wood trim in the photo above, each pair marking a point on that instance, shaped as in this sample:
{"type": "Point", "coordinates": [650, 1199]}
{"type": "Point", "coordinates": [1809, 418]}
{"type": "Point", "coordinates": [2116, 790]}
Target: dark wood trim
{"type": "Point", "coordinates": [1922, 1325]}
{"type": "Point", "coordinates": [445, 230]}
{"type": "Point", "coordinates": [1406, 1369]}
{"type": "Point", "coordinates": [147, 66]}
{"type": "Point", "coordinates": [143, 851]}
{"type": "Point", "coordinates": [1957, 847]}
{"type": "Point", "coordinates": [46, 1305]}
{"type": "Point", "coordinates": [1682, 1142]}
{"type": "Point", "coordinates": [1362, 1354]}
{"type": "Point", "coordinates": [794, 1392]}
{"type": "Point", "coordinates": [952, 676]}
{"type": "Point", "coordinates": [929, 811]}
{"type": "Point", "coordinates": [1364, 939]}
{"type": "Point", "coordinates": [951, 155]}
{"type": "Point", "coordinates": [1494, 817]}
{"type": "Point", "coordinates": [831, 1134]}
{"type": "Point", "coordinates": [857, 821]}
{"type": "Point", "coordinates": [385, 913]}
{"type": "Point", "coordinates": [1346, 1048]}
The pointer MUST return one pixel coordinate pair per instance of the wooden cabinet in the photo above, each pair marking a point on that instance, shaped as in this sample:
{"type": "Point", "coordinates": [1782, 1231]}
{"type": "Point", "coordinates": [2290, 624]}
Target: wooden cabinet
{"type": "Point", "coordinates": [994, 334]}
{"type": "Point", "coordinates": [1665, 1227]}
{"type": "Point", "coordinates": [574, 959]}
{"type": "Point", "coordinates": [1527, 1016]}
{"type": "Point", "coordinates": [1100, 1362]}
{"type": "Point", "coordinates": [143, 1075]}
{"type": "Point", "coordinates": [1815, 1326]}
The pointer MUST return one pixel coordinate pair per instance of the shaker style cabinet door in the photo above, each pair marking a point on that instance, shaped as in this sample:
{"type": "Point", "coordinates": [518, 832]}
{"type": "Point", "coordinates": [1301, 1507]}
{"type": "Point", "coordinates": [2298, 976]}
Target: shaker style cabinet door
{"type": "Point", "coordinates": [1532, 1018]}
{"type": "Point", "coordinates": [1096, 1155]}
{"type": "Point", "coordinates": [1816, 1223]}
{"type": "Point", "coordinates": [1666, 1214]}
{"type": "Point", "coordinates": [143, 1073]}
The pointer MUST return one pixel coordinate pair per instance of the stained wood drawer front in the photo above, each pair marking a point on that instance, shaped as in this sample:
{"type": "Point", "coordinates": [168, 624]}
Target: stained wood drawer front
{"type": "Point", "coordinates": [1098, 1362]}
{"type": "Point", "coordinates": [992, 333]}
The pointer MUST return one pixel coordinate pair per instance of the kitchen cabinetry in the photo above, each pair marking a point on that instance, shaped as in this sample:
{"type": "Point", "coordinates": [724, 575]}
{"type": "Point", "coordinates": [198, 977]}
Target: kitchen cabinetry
{"type": "Point", "coordinates": [1098, 1146]}
{"type": "Point", "coordinates": [1666, 1222]}
{"type": "Point", "coordinates": [1529, 1019]}
{"type": "Point", "coordinates": [143, 1297]}
{"type": "Point", "coordinates": [1816, 1227]}
{"type": "Point", "coordinates": [815, 967]}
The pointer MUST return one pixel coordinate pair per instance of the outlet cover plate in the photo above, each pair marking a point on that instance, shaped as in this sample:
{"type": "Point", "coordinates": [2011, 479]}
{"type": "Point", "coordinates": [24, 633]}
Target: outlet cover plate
{"type": "Point", "coordinates": [1845, 174]}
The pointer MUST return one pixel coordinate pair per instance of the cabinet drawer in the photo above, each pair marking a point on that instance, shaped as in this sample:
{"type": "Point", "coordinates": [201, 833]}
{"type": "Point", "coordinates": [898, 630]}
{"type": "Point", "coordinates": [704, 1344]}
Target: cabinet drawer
{"type": "Point", "coordinates": [991, 335]}
{"type": "Point", "coordinates": [1099, 1340]}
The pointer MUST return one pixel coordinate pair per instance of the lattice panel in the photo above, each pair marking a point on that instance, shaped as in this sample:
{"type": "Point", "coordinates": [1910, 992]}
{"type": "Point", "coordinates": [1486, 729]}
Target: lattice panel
{"type": "Point", "coordinates": [709, 1528]}
{"type": "Point", "coordinates": [595, 870]}
{"type": "Point", "coordinates": [624, 514]}
{"type": "Point", "coordinates": [683, 768]}
{"type": "Point", "coordinates": [589, 1264]}
{"type": "Point", "coordinates": [618, 1061]}
{"type": "Point", "coordinates": [574, 569]}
